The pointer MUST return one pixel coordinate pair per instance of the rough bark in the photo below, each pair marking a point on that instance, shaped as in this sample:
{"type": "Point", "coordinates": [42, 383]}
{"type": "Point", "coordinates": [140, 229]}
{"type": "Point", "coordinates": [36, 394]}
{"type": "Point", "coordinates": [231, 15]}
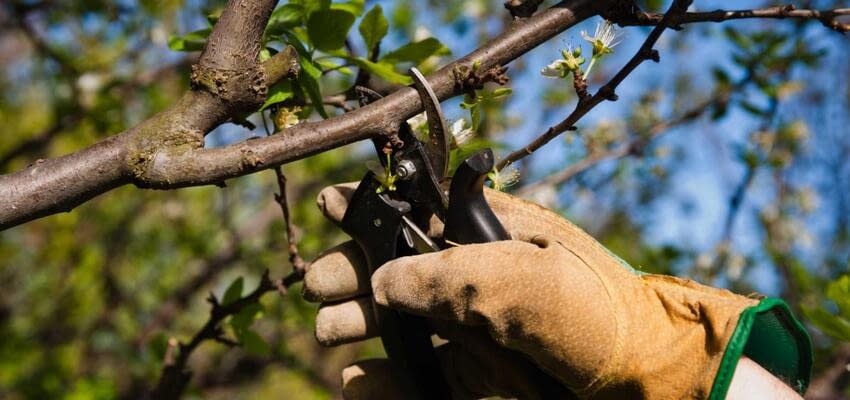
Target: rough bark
{"type": "Point", "coordinates": [166, 150]}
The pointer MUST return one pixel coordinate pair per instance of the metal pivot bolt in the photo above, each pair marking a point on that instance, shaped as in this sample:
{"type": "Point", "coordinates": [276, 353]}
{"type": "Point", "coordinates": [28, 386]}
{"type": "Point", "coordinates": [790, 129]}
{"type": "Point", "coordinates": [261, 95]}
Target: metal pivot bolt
{"type": "Point", "coordinates": [405, 169]}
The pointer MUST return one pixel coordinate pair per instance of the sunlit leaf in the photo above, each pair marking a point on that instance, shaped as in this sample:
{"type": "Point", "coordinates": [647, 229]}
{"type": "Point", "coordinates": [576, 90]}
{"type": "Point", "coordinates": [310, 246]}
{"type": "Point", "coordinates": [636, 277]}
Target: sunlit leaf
{"type": "Point", "coordinates": [384, 70]}
{"type": "Point", "coordinates": [416, 52]}
{"type": "Point", "coordinates": [373, 28]}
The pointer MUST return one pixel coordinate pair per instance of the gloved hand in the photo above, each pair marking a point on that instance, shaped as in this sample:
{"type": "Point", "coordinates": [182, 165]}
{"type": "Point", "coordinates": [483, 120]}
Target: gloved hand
{"type": "Point", "coordinates": [553, 294]}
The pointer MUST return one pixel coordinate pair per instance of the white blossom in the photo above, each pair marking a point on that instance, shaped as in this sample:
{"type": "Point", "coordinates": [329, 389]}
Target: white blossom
{"type": "Point", "coordinates": [505, 178]}
{"type": "Point", "coordinates": [556, 69]}
{"type": "Point", "coordinates": [461, 134]}
{"type": "Point", "coordinates": [604, 39]}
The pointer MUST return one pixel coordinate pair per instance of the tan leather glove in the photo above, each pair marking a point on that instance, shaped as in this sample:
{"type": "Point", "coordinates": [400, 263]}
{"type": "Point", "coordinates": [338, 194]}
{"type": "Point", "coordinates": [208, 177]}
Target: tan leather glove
{"type": "Point", "coordinates": [553, 294]}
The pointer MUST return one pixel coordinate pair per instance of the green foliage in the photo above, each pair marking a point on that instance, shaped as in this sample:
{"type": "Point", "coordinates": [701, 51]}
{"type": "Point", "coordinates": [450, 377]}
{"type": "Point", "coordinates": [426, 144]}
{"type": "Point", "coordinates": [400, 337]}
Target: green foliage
{"type": "Point", "coordinates": [193, 41]}
{"type": "Point", "coordinates": [833, 317]}
{"type": "Point", "coordinates": [416, 52]}
{"type": "Point", "coordinates": [233, 292]}
{"type": "Point", "coordinates": [373, 28]}
{"type": "Point", "coordinates": [328, 29]}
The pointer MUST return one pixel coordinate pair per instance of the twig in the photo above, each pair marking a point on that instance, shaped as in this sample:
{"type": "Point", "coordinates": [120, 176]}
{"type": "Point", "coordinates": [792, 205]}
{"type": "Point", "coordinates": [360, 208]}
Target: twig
{"type": "Point", "coordinates": [298, 264]}
{"type": "Point", "coordinates": [631, 147]}
{"type": "Point", "coordinates": [607, 92]}
{"type": "Point", "coordinates": [299, 267]}
{"type": "Point", "coordinates": [175, 376]}
{"type": "Point", "coordinates": [828, 18]}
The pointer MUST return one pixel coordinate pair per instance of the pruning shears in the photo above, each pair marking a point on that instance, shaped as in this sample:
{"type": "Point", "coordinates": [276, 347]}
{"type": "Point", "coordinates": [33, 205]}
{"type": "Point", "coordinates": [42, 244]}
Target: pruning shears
{"type": "Point", "coordinates": [390, 220]}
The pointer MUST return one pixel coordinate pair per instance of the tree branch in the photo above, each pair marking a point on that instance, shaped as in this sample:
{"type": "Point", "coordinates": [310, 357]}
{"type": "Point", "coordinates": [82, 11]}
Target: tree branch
{"type": "Point", "coordinates": [165, 151]}
{"type": "Point", "coordinates": [607, 92]}
{"type": "Point", "coordinates": [174, 376]}
{"type": "Point", "coordinates": [220, 92]}
{"type": "Point", "coordinates": [828, 18]}
{"type": "Point", "coordinates": [633, 146]}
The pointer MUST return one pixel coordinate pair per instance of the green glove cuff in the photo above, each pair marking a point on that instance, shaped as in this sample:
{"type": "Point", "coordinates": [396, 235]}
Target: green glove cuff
{"type": "Point", "coordinates": [768, 334]}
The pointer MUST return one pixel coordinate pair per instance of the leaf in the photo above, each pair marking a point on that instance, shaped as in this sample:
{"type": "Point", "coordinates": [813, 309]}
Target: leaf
{"type": "Point", "coordinates": [416, 52]}
{"type": "Point", "coordinates": [752, 108]}
{"type": "Point", "coordinates": [327, 65]}
{"type": "Point", "coordinates": [233, 292]}
{"type": "Point", "coordinates": [501, 92]}
{"type": "Point", "coordinates": [253, 343]}
{"type": "Point", "coordinates": [192, 41]}
{"type": "Point", "coordinates": [458, 155]}
{"type": "Point", "coordinates": [328, 29]}
{"type": "Point", "coordinates": [279, 93]}
{"type": "Point", "coordinates": [309, 80]}
{"type": "Point", "coordinates": [384, 70]}
{"type": "Point", "coordinates": [245, 318]}
{"type": "Point", "coordinates": [285, 17]}
{"type": "Point", "coordinates": [311, 6]}
{"type": "Point", "coordinates": [355, 7]}
{"type": "Point", "coordinates": [831, 325]}
{"type": "Point", "coordinates": [373, 28]}
{"type": "Point", "coordinates": [839, 292]}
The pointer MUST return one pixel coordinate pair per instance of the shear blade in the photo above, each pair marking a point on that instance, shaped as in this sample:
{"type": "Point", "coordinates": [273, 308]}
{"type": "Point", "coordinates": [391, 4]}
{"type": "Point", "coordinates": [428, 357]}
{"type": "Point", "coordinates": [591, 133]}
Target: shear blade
{"type": "Point", "coordinates": [416, 238]}
{"type": "Point", "coordinates": [437, 142]}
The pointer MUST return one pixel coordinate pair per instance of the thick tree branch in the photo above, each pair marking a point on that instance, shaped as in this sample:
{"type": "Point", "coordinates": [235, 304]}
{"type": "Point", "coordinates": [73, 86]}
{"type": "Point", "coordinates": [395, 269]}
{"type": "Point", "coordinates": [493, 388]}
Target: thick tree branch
{"type": "Point", "coordinates": [607, 92]}
{"type": "Point", "coordinates": [165, 151]}
{"type": "Point", "coordinates": [222, 90]}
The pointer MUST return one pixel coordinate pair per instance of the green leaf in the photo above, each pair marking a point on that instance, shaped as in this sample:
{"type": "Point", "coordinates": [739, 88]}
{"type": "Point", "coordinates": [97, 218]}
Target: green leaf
{"type": "Point", "coordinates": [233, 292]}
{"type": "Point", "coordinates": [308, 80]}
{"type": "Point", "coordinates": [839, 292]}
{"type": "Point", "coordinates": [311, 6]}
{"type": "Point", "coordinates": [285, 17]}
{"type": "Point", "coordinates": [279, 93]}
{"type": "Point", "coordinates": [245, 318]}
{"type": "Point", "coordinates": [355, 7]}
{"type": "Point", "coordinates": [193, 41]}
{"type": "Point", "coordinates": [501, 92]}
{"type": "Point", "coordinates": [327, 29]}
{"type": "Point", "coordinates": [831, 325]}
{"type": "Point", "coordinates": [752, 108]}
{"type": "Point", "coordinates": [373, 28]}
{"type": "Point", "coordinates": [416, 52]}
{"type": "Point", "coordinates": [456, 156]}
{"type": "Point", "coordinates": [253, 343]}
{"type": "Point", "coordinates": [327, 65]}
{"type": "Point", "coordinates": [384, 70]}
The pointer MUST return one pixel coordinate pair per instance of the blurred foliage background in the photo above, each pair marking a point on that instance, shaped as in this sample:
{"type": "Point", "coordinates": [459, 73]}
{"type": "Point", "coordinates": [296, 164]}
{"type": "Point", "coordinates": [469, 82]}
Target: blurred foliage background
{"type": "Point", "coordinates": [728, 162]}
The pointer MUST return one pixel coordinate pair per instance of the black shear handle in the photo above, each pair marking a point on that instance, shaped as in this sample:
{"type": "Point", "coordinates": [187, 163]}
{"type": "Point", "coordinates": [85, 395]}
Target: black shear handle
{"type": "Point", "coordinates": [469, 219]}
{"type": "Point", "coordinates": [374, 221]}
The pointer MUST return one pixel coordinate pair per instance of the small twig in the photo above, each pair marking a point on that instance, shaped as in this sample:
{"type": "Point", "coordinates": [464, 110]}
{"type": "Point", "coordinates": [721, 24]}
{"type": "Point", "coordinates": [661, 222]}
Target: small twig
{"type": "Point", "coordinates": [175, 376]}
{"type": "Point", "coordinates": [522, 8]}
{"type": "Point", "coordinates": [298, 264]}
{"type": "Point", "coordinates": [828, 18]}
{"type": "Point", "coordinates": [631, 147]}
{"type": "Point", "coordinates": [299, 267]}
{"type": "Point", "coordinates": [607, 92]}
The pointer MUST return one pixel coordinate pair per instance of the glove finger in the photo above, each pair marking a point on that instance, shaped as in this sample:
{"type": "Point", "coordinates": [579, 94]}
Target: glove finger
{"type": "Point", "coordinates": [333, 200]}
{"type": "Point", "coordinates": [346, 322]}
{"type": "Point", "coordinates": [471, 374]}
{"type": "Point", "coordinates": [449, 284]}
{"type": "Point", "coordinates": [337, 274]}
{"type": "Point", "coordinates": [524, 220]}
